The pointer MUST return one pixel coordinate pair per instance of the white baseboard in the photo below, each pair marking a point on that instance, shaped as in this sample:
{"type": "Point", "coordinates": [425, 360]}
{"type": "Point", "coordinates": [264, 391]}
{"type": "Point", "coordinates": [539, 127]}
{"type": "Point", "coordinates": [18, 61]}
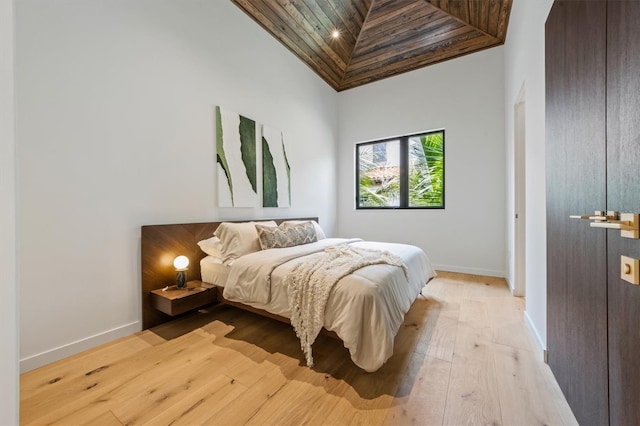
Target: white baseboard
{"type": "Point", "coordinates": [512, 288]}
{"type": "Point", "coordinates": [540, 346]}
{"type": "Point", "coordinates": [510, 284]}
{"type": "Point", "coordinates": [471, 271]}
{"type": "Point", "coordinates": [34, 361]}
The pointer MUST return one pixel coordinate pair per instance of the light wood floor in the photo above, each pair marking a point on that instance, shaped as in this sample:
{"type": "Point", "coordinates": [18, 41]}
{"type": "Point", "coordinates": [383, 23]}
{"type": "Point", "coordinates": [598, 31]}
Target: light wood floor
{"type": "Point", "coordinates": [463, 356]}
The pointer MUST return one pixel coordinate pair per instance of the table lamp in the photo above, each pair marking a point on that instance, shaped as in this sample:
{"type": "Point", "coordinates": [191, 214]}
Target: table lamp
{"type": "Point", "coordinates": [181, 263]}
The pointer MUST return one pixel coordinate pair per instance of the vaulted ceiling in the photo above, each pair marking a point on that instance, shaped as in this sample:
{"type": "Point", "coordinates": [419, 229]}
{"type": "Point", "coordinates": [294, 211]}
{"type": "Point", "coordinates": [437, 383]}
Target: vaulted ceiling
{"type": "Point", "coordinates": [354, 42]}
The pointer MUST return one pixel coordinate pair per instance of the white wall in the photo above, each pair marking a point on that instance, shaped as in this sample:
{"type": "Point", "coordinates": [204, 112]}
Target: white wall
{"type": "Point", "coordinates": [8, 302]}
{"type": "Point", "coordinates": [465, 96]}
{"type": "Point", "coordinates": [524, 65]}
{"type": "Point", "coordinates": [115, 129]}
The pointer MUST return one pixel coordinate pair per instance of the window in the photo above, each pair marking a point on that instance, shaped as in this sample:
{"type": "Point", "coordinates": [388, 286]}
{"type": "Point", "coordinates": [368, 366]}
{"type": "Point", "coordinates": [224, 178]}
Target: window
{"type": "Point", "coordinates": [401, 173]}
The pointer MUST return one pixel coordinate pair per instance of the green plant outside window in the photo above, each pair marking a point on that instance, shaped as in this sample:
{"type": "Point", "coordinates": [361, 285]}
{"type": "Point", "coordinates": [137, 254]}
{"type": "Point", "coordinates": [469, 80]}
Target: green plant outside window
{"type": "Point", "coordinates": [405, 172]}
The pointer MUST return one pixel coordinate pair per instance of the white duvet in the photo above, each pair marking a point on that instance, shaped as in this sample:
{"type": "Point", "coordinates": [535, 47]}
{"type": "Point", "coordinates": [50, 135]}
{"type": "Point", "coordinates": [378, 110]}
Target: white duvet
{"type": "Point", "coordinates": [365, 309]}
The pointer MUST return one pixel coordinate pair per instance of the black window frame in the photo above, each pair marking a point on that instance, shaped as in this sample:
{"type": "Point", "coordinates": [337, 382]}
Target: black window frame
{"type": "Point", "coordinates": [404, 172]}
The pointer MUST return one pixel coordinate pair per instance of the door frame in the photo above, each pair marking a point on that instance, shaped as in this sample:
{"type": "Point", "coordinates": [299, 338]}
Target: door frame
{"type": "Point", "coordinates": [519, 194]}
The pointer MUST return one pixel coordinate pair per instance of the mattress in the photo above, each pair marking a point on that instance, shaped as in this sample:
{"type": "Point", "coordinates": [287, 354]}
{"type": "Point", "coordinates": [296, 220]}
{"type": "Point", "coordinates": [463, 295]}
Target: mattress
{"type": "Point", "coordinates": [365, 309]}
{"type": "Point", "coordinates": [212, 271]}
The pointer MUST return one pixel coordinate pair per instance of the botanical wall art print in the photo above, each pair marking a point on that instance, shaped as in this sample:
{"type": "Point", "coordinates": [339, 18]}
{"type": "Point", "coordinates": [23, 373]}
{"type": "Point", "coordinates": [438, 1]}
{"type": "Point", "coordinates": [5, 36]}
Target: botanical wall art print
{"type": "Point", "coordinates": [236, 153]}
{"type": "Point", "coordinates": [276, 173]}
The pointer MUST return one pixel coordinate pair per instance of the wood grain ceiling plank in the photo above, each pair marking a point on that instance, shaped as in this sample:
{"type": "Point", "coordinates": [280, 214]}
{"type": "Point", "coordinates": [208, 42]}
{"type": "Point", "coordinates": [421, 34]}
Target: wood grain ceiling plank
{"type": "Point", "coordinates": [362, 6]}
{"type": "Point", "coordinates": [494, 17]}
{"type": "Point", "coordinates": [306, 40]}
{"type": "Point", "coordinates": [419, 43]}
{"type": "Point", "coordinates": [392, 36]}
{"type": "Point", "coordinates": [385, 11]}
{"type": "Point", "coordinates": [387, 56]}
{"type": "Point", "coordinates": [419, 21]}
{"type": "Point", "coordinates": [289, 39]}
{"type": "Point", "coordinates": [503, 23]}
{"type": "Point", "coordinates": [459, 9]}
{"type": "Point", "coordinates": [364, 20]}
{"type": "Point", "coordinates": [422, 35]}
{"type": "Point", "coordinates": [306, 22]}
{"type": "Point", "coordinates": [483, 21]}
{"type": "Point", "coordinates": [278, 15]}
{"type": "Point", "coordinates": [407, 24]}
{"type": "Point", "coordinates": [474, 13]}
{"type": "Point", "coordinates": [329, 21]}
{"type": "Point", "coordinates": [349, 17]}
{"type": "Point", "coordinates": [475, 42]}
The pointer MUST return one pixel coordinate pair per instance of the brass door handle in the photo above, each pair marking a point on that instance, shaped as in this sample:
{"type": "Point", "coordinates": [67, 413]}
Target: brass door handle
{"type": "Point", "coordinates": [599, 215]}
{"type": "Point", "coordinates": [627, 223]}
{"type": "Point", "coordinates": [587, 217]}
{"type": "Point", "coordinates": [613, 224]}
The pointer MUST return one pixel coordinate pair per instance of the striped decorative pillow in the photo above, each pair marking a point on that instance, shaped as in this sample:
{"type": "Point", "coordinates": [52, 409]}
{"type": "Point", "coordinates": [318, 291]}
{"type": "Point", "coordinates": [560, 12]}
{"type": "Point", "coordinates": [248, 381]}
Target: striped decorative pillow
{"type": "Point", "coordinates": [286, 235]}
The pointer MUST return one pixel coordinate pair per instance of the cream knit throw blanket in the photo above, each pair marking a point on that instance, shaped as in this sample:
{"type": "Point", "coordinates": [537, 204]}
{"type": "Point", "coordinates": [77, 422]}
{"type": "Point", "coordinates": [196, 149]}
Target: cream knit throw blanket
{"type": "Point", "coordinates": [310, 282]}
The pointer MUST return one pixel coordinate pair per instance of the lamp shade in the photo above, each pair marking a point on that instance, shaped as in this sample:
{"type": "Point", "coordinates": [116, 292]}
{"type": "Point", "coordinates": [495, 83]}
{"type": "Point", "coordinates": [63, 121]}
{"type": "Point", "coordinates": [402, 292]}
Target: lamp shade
{"type": "Point", "coordinates": [181, 263]}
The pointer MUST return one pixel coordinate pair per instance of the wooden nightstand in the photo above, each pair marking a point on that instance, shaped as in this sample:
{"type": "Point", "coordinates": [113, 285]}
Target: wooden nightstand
{"type": "Point", "coordinates": [175, 301]}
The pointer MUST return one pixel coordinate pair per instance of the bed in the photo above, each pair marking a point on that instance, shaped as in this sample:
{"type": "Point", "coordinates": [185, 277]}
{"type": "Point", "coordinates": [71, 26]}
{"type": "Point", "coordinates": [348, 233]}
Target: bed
{"type": "Point", "coordinates": [364, 309]}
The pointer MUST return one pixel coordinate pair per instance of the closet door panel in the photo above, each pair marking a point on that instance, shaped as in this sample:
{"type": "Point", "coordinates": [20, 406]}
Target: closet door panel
{"type": "Point", "coordinates": [576, 184]}
{"type": "Point", "coordinates": [623, 193]}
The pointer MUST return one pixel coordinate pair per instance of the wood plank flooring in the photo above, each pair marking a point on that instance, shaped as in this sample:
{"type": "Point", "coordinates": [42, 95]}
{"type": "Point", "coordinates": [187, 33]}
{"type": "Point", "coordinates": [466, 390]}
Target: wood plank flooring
{"type": "Point", "coordinates": [462, 356]}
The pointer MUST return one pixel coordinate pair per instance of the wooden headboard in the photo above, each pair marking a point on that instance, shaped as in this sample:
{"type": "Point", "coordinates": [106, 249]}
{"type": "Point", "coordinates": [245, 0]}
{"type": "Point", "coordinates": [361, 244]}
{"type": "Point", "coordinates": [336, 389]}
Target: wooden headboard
{"type": "Point", "coordinates": [160, 245]}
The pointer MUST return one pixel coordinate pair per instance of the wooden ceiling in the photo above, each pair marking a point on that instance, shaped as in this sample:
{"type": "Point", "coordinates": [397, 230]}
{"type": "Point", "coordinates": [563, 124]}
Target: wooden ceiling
{"type": "Point", "coordinates": [379, 38]}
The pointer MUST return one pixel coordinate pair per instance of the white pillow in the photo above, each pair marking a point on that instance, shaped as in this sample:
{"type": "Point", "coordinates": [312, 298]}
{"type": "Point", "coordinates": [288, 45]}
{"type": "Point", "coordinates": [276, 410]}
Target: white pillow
{"type": "Point", "coordinates": [212, 246]}
{"type": "Point", "coordinates": [239, 239]}
{"type": "Point", "coordinates": [319, 231]}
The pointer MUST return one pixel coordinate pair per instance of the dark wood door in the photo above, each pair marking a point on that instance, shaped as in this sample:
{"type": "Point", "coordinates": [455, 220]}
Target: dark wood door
{"type": "Point", "coordinates": [623, 194]}
{"type": "Point", "coordinates": [576, 184]}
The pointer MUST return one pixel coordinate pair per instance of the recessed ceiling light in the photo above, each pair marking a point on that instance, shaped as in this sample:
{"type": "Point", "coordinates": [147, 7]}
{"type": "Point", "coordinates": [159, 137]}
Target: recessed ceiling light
{"type": "Point", "coordinates": [335, 34]}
